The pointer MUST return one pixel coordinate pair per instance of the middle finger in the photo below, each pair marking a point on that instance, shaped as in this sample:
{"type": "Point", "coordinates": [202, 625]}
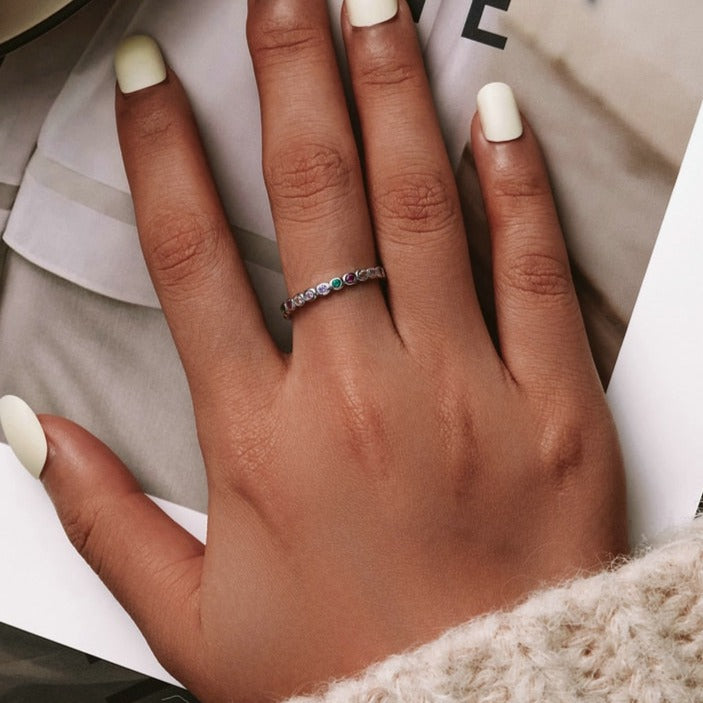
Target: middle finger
{"type": "Point", "coordinates": [311, 164]}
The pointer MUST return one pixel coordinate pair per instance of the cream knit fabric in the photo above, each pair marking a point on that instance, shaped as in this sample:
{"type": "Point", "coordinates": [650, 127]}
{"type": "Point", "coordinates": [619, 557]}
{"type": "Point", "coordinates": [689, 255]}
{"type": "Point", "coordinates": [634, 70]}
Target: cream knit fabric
{"type": "Point", "coordinates": [630, 635]}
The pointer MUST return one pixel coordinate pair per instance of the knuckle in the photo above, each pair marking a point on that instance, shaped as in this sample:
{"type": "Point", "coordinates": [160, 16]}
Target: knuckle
{"type": "Point", "coordinates": [422, 202]}
{"type": "Point", "coordinates": [252, 452]}
{"type": "Point", "coordinates": [182, 248]}
{"type": "Point", "coordinates": [537, 274]}
{"type": "Point", "coordinates": [363, 418]}
{"type": "Point", "coordinates": [82, 525]}
{"type": "Point", "coordinates": [154, 128]}
{"type": "Point", "coordinates": [305, 180]}
{"type": "Point", "coordinates": [277, 34]}
{"type": "Point", "coordinates": [513, 183]}
{"type": "Point", "coordinates": [384, 73]}
{"type": "Point", "coordinates": [253, 440]}
{"type": "Point", "coordinates": [457, 430]}
{"type": "Point", "coordinates": [562, 449]}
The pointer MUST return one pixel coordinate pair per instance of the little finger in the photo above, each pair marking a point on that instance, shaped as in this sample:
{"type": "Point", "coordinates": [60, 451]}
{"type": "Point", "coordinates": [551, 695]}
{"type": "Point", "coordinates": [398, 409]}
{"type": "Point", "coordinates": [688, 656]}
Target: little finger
{"type": "Point", "coordinates": [540, 327]}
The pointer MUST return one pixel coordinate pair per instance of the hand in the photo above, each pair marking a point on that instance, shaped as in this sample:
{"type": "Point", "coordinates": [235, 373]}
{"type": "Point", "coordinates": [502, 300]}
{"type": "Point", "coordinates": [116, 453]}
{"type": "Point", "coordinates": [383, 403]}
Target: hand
{"type": "Point", "coordinates": [396, 474]}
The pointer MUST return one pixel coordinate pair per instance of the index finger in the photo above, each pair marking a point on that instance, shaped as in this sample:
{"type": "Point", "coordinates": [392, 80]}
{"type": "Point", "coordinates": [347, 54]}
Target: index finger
{"type": "Point", "coordinates": [192, 258]}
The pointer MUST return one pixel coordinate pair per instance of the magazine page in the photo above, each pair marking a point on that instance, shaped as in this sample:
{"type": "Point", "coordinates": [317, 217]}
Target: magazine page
{"type": "Point", "coordinates": [656, 390]}
{"type": "Point", "coordinates": [425, 13]}
{"type": "Point", "coordinates": [612, 90]}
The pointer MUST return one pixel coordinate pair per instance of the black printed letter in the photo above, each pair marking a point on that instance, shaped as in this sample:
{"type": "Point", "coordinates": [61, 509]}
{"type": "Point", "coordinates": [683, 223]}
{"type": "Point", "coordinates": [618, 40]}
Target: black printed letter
{"type": "Point", "coordinates": [416, 7]}
{"type": "Point", "coordinates": [472, 29]}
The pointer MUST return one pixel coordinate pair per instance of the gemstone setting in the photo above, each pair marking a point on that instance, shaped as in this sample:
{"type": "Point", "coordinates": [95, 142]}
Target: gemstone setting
{"type": "Point", "coordinates": [336, 284]}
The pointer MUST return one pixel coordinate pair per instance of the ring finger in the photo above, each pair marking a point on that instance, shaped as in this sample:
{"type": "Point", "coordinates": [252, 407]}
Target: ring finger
{"type": "Point", "coordinates": [311, 164]}
{"type": "Point", "coordinates": [413, 196]}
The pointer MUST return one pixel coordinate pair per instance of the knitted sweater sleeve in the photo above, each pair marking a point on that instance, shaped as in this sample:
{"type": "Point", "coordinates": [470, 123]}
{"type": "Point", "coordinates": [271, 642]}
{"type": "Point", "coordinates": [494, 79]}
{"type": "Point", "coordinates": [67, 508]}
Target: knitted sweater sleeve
{"type": "Point", "coordinates": [634, 633]}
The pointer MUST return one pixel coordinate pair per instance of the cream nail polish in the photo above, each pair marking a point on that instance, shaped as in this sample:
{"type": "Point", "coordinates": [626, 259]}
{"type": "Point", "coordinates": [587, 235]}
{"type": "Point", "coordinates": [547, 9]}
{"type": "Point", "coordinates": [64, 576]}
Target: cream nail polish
{"type": "Point", "coordinates": [365, 13]}
{"type": "Point", "coordinates": [499, 113]}
{"type": "Point", "coordinates": [139, 63]}
{"type": "Point", "coordinates": [24, 434]}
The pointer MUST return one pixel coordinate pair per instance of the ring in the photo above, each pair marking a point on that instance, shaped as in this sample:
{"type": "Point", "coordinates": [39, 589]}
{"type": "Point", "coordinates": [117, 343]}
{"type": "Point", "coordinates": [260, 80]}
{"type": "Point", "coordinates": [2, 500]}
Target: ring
{"type": "Point", "coordinates": [322, 290]}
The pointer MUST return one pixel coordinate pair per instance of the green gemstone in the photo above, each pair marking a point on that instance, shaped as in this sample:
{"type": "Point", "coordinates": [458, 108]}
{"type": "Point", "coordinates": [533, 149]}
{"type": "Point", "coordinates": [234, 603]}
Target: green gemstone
{"type": "Point", "coordinates": [337, 283]}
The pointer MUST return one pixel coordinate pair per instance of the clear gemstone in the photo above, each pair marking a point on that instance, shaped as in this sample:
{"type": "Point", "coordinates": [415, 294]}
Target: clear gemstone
{"type": "Point", "coordinates": [299, 300]}
{"type": "Point", "coordinates": [310, 295]}
{"type": "Point", "coordinates": [362, 275]}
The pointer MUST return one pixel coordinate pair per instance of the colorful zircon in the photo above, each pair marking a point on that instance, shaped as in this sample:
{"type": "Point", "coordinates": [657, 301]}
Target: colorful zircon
{"type": "Point", "coordinates": [338, 283]}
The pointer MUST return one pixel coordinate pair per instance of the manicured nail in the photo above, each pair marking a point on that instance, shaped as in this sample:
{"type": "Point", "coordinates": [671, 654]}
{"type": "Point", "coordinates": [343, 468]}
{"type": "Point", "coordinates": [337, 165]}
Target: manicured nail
{"type": "Point", "coordinates": [499, 113]}
{"type": "Point", "coordinates": [24, 434]}
{"type": "Point", "coordinates": [365, 13]}
{"type": "Point", "coordinates": [139, 63]}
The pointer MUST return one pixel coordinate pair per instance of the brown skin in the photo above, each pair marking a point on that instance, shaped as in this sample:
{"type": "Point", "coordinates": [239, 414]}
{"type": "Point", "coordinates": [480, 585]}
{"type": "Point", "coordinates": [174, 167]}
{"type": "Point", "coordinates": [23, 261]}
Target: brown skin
{"type": "Point", "coordinates": [396, 474]}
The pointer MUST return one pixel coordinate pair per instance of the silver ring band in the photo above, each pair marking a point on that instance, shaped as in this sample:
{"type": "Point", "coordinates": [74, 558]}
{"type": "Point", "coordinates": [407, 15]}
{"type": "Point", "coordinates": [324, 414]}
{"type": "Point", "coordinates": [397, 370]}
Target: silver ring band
{"type": "Point", "coordinates": [334, 285]}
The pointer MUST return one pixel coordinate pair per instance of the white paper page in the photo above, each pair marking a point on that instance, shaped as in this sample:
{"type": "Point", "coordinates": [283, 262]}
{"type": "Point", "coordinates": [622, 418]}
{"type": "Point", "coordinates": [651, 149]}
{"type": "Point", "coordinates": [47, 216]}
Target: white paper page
{"type": "Point", "coordinates": [47, 589]}
{"type": "Point", "coordinates": [425, 14]}
{"type": "Point", "coordinates": [656, 391]}
{"type": "Point", "coordinates": [465, 39]}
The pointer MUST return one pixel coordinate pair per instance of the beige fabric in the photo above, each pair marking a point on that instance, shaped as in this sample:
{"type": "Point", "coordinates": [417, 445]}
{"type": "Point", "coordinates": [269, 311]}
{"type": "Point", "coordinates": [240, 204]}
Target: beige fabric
{"type": "Point", "coordinates": [30, 79]}
{"type": "Point", "coordinates": [110, 366]}
{"type": "Point", "coordinates": [635, 634]}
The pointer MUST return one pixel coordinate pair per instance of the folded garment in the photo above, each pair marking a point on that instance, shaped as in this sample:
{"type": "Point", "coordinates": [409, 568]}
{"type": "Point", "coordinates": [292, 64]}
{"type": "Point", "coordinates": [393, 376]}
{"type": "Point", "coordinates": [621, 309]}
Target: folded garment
{"type": "Point", "coordinates": [30, 80]}
{"type": "Point", "coordinates": [73, 215]}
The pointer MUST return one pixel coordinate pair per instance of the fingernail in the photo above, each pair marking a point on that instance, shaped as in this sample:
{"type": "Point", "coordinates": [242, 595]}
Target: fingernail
{"type": "Point", "coordinates": [499, 113]}
{"type": "Point", "coordinates": [366, 13]}
{"type": "Point", "coordinates": [139, 64]}
{"type": "Point", "coordinates": [24, 434]}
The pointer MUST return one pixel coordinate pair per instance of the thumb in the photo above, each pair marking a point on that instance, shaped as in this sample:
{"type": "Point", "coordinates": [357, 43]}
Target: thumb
{"type": "Point", "coordinates": [151, 564]}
